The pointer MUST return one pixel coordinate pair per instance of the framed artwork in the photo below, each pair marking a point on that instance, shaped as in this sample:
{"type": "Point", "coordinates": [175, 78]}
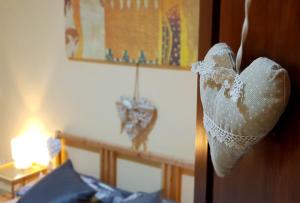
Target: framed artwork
{"type": "Point", "coordinates": [161, 33]}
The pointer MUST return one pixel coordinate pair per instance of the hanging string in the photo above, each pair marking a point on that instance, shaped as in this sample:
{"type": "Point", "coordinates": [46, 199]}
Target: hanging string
{"type": "Point", "coordinates": [245, 30]}
{"type": "Point", "coordinates": [136, 93]}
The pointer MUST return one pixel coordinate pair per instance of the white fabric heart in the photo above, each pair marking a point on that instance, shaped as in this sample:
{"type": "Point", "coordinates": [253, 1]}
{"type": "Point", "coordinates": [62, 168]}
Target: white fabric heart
{"type": "Point", "coordinates": [136, 115]}
{"type": "Point", "coordinates": [239, 109]}
{"type": "Point", "coordinates": [54, 147]}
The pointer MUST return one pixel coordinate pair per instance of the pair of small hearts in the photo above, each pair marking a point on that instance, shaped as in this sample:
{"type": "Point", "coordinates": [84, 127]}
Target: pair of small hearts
{"type": "Point", "coordinates": [239, 109]}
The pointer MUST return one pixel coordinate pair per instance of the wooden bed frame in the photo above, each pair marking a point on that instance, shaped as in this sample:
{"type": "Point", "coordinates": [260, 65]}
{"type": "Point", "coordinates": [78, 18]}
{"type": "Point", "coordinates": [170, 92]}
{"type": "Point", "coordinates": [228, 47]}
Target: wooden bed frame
{"type": "Point", "coordinates": [172, 169]}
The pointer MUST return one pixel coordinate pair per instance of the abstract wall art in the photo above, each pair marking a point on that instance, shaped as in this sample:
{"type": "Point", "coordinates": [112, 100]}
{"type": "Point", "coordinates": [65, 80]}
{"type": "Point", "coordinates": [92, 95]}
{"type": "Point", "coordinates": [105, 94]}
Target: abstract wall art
{"type": "Point", "coordinates": [161, 33]}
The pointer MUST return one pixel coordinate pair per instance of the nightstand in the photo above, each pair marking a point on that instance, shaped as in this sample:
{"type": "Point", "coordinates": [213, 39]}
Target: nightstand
{"type": "Point", "coordinates": [13, 177]}
{"type": "Point", "coordinates": [4, 197]}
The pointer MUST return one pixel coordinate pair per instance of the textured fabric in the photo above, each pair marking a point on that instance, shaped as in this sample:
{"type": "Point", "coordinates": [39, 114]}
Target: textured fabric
{"type": "Point", "coordinates": [63, 185]}
{"type": "Point", "coordinates": [239, 109]}
{"type": "Point", "coordinates": [90, 181]}
{"type": "Point", "coordinates": [141, 198]}
{"type": "Point", "coordinates": [23, 190]}
{"type": "Point", "coordinates": [105, 193]}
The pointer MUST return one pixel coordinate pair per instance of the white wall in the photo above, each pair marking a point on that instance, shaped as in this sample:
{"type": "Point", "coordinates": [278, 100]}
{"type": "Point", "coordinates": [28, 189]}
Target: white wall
{"type": "Point", "coordinates": [4, 101]}
{"type": "Point", "coordinates": [78, 97]}
{"type": "Point", "coordinates": [2, 150]}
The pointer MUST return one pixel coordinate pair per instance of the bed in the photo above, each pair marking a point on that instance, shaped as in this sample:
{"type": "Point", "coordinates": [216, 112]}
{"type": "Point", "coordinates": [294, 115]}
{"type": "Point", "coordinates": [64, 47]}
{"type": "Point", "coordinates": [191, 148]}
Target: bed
{"type": "Point", "coordinates": [172, 169]}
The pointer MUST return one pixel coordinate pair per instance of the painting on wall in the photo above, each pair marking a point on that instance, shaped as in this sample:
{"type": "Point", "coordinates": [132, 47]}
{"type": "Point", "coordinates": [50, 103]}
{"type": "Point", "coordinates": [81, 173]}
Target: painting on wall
{"type": "Point", "coordinates": [160, 33]}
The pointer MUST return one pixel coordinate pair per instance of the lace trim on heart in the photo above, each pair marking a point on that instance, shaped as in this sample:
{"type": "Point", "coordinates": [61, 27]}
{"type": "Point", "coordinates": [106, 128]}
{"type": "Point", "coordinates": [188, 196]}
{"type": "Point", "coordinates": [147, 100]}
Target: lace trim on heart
{"type": "Point", "coordinates": [228, 138]}
{"type": "Point", "coordinates": [204, 68]}
{"type": "Point", "coordinates": [207, 72]}
{"type": "Point", "coordinates": [236, 90]}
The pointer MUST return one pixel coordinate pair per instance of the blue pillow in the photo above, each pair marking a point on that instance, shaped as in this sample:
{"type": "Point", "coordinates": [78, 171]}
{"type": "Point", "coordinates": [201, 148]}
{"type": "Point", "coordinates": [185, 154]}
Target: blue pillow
{"type": "Point", "coordinates": [63, 185]}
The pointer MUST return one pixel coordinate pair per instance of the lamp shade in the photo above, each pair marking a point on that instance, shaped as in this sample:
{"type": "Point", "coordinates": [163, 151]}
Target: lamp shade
{"type": "Point", "coordinates": [33, 149]}
{"type": "Point", "coordinates": [21, 156]}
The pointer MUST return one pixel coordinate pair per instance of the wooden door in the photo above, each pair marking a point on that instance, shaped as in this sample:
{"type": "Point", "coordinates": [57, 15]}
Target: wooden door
{"type": "Point", "coordinates": [270, 173]}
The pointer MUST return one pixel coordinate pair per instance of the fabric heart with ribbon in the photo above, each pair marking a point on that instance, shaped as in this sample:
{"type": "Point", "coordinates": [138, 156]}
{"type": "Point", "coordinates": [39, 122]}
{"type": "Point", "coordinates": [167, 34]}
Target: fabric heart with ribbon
{"type": "Point", "coordinates": [137, 116]}
{"type": "Point", "coordinates": [239, 109]}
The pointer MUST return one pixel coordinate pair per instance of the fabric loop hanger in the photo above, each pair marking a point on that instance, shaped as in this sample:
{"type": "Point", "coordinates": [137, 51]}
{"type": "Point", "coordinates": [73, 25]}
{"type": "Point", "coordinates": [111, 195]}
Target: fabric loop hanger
{"type": "Point", "coordinates": [245, 30]}
{"type": "Point", "coordinates": [136, 93]}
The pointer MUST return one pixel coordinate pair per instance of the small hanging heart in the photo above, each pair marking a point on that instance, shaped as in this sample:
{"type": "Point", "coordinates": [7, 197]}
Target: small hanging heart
{"type": "Point", "coordinates": [137, 116]}
{"type": "Point", "coordinates": [54, 147]}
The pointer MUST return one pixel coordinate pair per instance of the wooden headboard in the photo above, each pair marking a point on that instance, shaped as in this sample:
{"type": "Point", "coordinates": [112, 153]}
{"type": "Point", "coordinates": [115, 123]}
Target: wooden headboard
{"type": "Point", "coordinates": [172, 169]}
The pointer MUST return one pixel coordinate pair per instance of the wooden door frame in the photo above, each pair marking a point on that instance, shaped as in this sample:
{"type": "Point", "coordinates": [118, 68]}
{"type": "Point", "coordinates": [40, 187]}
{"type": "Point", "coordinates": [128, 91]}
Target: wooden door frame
{"type": "Point", "coordinates": [208, 35]}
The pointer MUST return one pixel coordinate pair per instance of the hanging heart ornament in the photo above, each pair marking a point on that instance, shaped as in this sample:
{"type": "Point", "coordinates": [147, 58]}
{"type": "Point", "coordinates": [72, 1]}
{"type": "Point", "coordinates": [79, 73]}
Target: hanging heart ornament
{"type": "Point", "coordinates": [135, 114]}
{"type": "Point", "coordinates": [54, 147]}
{"type": "Point", "coordinates": [239, 109]}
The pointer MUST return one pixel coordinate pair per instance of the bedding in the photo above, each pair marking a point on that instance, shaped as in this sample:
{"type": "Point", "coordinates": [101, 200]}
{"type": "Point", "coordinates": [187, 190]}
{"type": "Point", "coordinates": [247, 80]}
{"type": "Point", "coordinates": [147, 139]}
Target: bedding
{"type": "Point", "coordinates": [102, 193]}
{"type": "Point", "coordinates": [108, 194]}
{"type": "Point", "coordinates": [141, 197]}
{"type": "Point", "coordinates": [62, 185]}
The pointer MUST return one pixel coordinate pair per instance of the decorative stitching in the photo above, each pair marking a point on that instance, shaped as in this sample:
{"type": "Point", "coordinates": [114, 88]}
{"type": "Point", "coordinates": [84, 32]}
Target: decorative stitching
{"type": "Point", "coordinates": [228, 138]}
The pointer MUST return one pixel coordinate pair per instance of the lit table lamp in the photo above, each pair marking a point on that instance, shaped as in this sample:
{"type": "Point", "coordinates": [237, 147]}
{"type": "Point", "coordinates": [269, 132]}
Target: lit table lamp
{"type": "Point", "coordinates": [41, 150]}
{"type": "Point", "coordinates": [21, 156]}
